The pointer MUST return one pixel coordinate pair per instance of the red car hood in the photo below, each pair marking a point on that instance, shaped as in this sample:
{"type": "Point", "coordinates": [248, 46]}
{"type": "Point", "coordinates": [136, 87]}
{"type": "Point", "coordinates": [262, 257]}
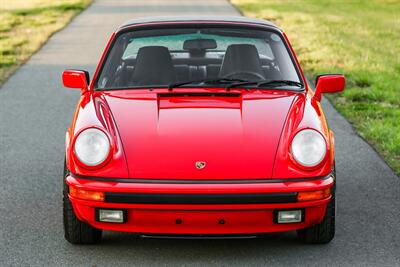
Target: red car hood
{"type": "Point", "coordinates": [235, 135]}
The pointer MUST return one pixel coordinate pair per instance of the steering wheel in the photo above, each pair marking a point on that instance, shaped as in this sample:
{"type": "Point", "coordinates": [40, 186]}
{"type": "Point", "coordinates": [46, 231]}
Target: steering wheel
{"type": "Point", "coordinates": [245, 75]}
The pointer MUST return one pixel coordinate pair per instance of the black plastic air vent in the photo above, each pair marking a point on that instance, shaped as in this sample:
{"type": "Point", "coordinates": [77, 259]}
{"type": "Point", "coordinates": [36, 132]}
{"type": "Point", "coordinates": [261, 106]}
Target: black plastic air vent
{"type": "Point", "coordinates": [188, 94]}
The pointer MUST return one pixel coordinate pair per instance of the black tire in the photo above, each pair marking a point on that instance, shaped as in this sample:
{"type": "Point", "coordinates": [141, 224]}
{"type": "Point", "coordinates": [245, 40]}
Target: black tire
{"type": "Point", "coordinates": [75, 231]}
{"type": "Point", "coordinates": [323, 232]}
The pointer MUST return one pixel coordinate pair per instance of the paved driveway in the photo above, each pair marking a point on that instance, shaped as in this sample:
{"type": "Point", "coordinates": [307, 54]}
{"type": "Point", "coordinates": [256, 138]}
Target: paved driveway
{"type": "Point", "coordinates": [35, 111]}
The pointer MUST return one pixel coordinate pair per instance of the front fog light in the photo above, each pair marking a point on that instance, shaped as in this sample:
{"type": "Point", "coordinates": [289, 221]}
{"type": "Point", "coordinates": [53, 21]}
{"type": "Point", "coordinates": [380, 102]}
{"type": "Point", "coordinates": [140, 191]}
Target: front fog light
{"type": "Point", "coordinates": [289, 216]}
{"type": "Point", "coordinates": [112, 216]}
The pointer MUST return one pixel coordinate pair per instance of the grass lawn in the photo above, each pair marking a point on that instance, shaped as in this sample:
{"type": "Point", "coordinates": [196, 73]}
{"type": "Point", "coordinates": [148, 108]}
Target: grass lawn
{"type": "Point", "coordinates": [25, 25]}
{"type": "Point", "coordinates": [358, 38]}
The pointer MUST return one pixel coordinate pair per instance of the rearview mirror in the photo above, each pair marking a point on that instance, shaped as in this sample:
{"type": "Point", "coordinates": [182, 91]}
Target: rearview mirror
{"type": "Point", "coordinates": [328, 83]}
{"type": "Point", "coordinates": [199, 44]}
{"type": "Point", "coordinates": [76, 79]}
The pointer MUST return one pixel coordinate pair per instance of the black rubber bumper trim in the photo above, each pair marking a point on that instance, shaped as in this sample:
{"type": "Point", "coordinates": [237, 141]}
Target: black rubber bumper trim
{"type": "Point", "coordinates": [140, 198]}
{"type": "Point", "coordinates": [186, 181]}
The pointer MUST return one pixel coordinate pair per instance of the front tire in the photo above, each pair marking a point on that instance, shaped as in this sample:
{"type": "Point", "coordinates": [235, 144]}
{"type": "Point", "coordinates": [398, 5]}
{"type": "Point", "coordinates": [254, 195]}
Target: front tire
{"type": "Point", "coordinates": [75, 231]}
{"type": "Point", "coordinates": [323, 232]}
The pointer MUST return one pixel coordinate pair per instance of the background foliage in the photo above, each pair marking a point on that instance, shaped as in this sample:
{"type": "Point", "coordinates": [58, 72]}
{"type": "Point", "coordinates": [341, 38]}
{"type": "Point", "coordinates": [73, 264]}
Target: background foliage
{"type": "Point", "coordinates": [358, 38]}
{"type": "Point", "coordinates": [26, 24]}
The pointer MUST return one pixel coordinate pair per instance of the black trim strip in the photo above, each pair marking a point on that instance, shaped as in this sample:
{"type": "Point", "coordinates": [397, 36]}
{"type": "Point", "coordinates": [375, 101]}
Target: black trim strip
{"type": "Point", "coordinates": [141, 198]}
{"type": "Point", "coordinates": [186, 181]}
{"type": "Point", "coordinates": [216, 94]}
{"type": "Point", "coordinates": [185, 236]}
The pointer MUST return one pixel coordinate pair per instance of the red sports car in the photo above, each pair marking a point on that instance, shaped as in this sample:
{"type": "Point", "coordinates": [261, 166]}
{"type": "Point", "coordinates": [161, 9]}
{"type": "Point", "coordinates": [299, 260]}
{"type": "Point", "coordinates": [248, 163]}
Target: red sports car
{"type": "Point", "coordinates": [199, 127]}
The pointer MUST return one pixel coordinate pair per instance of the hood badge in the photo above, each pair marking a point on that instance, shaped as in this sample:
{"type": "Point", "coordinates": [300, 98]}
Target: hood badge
{"type": "Point", "coordinates": [200, 165]}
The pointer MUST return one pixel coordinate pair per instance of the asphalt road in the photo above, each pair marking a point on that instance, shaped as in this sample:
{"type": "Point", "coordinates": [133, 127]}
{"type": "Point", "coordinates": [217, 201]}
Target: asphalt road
{"type": "Point", "coordinates": [34, 113]}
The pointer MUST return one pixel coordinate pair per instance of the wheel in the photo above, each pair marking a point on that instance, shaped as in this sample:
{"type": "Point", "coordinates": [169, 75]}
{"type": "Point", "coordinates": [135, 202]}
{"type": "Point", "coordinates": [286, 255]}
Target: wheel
{"type": "Point", "coordinates": [75, 231]}
{"type": "Point", "coordinates": [323, 232]}
{"type": "Point", "coordinates": [246, 75]}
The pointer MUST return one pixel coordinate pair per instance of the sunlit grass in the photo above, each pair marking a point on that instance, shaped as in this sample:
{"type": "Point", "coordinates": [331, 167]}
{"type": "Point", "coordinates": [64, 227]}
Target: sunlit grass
{"type": "Point", "coordinates": [26, 24]}
{"type": "Point", "coordinates": [358, 38]}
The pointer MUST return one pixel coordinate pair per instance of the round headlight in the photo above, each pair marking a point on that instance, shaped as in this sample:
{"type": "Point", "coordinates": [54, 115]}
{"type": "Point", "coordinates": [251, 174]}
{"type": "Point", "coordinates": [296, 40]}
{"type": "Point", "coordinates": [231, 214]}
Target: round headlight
{"type": "Point", "coordinates": [308, 148]}
{"type": "Point", "coordinates": [92, 147]}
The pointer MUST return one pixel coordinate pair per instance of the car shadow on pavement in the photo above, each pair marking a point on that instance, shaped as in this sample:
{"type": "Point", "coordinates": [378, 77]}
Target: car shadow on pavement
{"type": "Point", "coordinates": [130, 247]}
{"type": "Point", "coordinates": [126, 239]}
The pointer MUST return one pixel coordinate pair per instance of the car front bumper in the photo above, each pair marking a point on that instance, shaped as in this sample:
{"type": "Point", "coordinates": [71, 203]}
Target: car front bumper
{"type": "Point", "coordinates": [200, 208]}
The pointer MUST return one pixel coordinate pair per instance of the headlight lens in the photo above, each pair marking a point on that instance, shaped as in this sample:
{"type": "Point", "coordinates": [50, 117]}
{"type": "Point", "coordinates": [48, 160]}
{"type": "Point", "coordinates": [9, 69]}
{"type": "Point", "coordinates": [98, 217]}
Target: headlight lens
{"type": "Point", "coordinates": [92, 147]}
{"type": "Point", "coordinates": [308, 148]}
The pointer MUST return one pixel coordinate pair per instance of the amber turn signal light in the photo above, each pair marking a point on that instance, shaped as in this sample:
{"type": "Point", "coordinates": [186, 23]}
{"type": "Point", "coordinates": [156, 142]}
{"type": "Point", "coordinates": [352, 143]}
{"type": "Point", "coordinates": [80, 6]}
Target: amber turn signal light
{"type": "Point", "coordinates": [314, 195]}
{"type": "Point", "coordinates": [86, 194]}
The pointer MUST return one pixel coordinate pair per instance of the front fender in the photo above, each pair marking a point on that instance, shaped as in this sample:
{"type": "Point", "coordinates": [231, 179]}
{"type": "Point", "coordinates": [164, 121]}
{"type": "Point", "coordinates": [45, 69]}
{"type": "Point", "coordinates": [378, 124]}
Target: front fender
{"type": "Point", "coordinates": [305, 112]}
{"type": "Point", "coordinates": [93, 111]}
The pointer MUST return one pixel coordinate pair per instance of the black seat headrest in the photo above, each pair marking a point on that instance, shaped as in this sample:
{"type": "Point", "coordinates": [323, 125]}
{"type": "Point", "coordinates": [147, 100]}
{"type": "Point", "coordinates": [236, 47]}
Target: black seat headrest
{"type": "Point", "coordinates": [153, 66]}
{"type": "Point", "coordinates": [241, 58]}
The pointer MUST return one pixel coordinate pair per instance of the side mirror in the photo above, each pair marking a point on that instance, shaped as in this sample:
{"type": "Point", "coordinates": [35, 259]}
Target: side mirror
{"type": "Point", "coordinates": [329, 83]}
{"type": "Point", "coordinates": [76, 79]}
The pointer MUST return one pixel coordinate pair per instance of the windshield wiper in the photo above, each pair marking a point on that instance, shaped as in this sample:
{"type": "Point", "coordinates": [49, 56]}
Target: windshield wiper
{"type": "Point", "coordinates": [277, 82]}
{"type": "Point", "coordinates": [207, 81]}
{"type": "Point", "coordinates": [266, 83]}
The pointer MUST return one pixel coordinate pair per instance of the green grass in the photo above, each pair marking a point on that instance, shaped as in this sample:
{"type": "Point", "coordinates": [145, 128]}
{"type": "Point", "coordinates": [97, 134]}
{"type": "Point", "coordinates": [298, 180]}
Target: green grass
{"type": "Point", "coordinates": [358, 38]}
{"type": "Point", "coordinates": [25, 25]}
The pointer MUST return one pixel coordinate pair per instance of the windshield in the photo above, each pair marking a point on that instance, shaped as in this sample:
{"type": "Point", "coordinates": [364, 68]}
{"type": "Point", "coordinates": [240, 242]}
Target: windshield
{"type": "Point", "coordinates": [163, 57]}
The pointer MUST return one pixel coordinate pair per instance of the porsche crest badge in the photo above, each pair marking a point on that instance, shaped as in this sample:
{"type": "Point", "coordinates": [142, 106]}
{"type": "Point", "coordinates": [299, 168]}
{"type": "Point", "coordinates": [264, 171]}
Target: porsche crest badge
{"type": "Point", "coordinates": [200, 165]}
